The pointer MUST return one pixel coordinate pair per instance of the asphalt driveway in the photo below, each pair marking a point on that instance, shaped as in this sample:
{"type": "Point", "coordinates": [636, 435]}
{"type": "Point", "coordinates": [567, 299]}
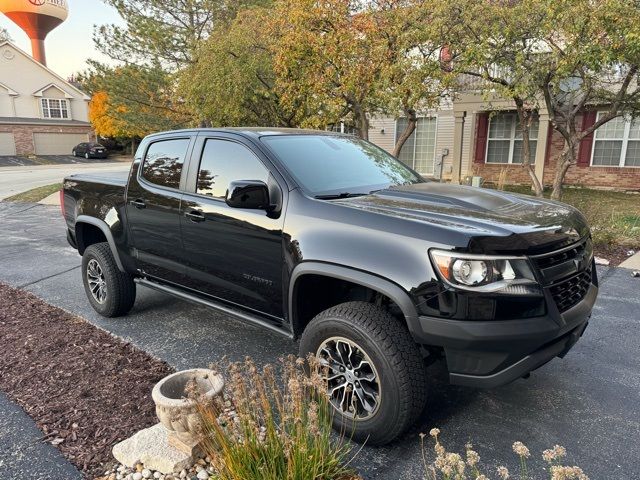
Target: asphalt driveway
{"type": "Point", "coordinates": [589, 401]}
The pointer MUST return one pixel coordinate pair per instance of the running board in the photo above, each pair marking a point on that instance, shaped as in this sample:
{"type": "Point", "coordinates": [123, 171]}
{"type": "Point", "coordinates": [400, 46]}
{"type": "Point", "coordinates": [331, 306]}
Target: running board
{"type": "Point", "coordinates": [247, 317]}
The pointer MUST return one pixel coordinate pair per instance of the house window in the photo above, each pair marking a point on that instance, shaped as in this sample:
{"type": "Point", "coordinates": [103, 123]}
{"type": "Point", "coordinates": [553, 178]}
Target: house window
{"type": "Point", "coordinates": [342, 128]}
{"type": "Point", "coordinates": [617, 144]}
{"type": "Point", "coordinates": [504, 144]}
{"type": "Point", "coordinates": [418, 152]}
{"type": "Point", "coordinates": [55, 108]}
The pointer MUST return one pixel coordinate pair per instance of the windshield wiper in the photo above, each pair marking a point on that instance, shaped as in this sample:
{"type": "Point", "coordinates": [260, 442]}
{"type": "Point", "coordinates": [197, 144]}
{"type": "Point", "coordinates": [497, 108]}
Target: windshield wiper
{"type": "Point", "coordinates": [339, 195]}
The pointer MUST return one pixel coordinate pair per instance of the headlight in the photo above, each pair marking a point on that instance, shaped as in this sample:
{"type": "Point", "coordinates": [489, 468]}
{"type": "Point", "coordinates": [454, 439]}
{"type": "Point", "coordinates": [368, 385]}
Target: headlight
{"type": "Point", "coordinates": [486, 273]}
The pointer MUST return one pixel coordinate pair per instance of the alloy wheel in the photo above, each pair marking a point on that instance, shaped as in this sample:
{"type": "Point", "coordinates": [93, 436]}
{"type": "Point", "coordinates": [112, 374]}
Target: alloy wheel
{"type": "Point", "coordinates": [97, 282]}
{"type": "Point", "coordinates": [352, 380]}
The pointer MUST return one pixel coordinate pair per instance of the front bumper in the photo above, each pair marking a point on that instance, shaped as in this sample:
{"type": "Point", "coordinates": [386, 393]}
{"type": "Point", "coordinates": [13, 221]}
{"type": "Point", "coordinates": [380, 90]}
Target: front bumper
{"type": "Point", "coordinates": [488, 354]}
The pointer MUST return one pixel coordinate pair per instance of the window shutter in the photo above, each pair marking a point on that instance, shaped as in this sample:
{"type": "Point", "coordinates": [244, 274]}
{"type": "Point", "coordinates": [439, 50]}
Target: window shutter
{"type": "Point", "coordinates": [584, 151]}
{"type": "Point", "coordinates": [482, 131]}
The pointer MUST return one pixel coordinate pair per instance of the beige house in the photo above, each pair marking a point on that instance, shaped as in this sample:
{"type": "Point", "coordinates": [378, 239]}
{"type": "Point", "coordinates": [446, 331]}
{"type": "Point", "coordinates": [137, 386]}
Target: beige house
{"type": "Point", "coordinates": [471, 135]}
{"type": "Point", "coordinates": [429, 149]}
{"type": "Point", "coordinates": [40, 112]}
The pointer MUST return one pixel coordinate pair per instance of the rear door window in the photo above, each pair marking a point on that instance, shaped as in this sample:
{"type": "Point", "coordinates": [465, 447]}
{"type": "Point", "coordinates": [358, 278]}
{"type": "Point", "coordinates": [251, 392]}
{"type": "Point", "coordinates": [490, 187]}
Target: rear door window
{"type": "Point", "coordinates": [164, 161]}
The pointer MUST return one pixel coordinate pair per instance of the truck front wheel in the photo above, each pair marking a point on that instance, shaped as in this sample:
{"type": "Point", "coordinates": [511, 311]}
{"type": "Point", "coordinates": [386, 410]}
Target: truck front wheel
{"type": "Point", "coordinates": [375, 373]}
{"type": "Point", "coordinates": [110, 291]}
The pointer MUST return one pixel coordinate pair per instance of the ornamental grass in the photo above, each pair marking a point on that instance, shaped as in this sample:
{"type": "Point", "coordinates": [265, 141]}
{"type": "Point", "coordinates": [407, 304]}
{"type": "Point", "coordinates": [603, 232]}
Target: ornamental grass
{"type": "Point", "coordinates": [274, 424]}
{"type": "Point", "coordinates": [453, 466]}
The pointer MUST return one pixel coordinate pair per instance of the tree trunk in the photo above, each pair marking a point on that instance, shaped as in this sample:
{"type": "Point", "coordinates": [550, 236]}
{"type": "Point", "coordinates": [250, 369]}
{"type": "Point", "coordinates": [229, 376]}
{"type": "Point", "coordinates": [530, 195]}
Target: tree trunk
{"type": "Point", "coordinates": [412, 122]}
{"type": "Point", "coordinates": [362, 122]}
{"type": "Point", "coordinates": [525, 116]}
{"type": "Point", "coordinates": [565, 160]}
{"type": "Point", "coordinates": [133, 147]}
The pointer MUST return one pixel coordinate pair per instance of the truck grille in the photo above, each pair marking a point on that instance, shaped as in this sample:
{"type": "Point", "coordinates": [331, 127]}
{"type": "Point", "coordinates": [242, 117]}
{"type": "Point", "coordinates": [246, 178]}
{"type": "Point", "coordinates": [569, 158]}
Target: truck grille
{"type": "Point", "coordinates": [569, 293]}
{"type": "Point", "coordinates": [567, 273]}
{"type": "Point", "coordinates": [553, 259]}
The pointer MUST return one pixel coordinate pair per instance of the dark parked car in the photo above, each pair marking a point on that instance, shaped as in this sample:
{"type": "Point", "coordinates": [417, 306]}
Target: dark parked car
{"type": "Point", "coordinates": [89, 150]}
{"type": "Point", "coordinates": [329, 239]}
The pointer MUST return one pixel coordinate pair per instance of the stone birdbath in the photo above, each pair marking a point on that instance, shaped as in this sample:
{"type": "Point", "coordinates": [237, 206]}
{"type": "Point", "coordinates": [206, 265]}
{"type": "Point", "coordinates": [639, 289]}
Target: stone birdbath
{"type": "Point", "coordinates": [176, 411]}
{"type": "Point", "coordinates": [172, 444]}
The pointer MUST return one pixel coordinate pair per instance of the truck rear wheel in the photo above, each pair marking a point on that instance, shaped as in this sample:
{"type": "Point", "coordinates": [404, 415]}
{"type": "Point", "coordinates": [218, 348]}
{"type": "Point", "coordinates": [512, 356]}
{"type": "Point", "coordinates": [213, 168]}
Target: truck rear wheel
{"type": "Point", "coordinates": [374, 370]}
{"type": "Point", "coordinates": [111, 292]}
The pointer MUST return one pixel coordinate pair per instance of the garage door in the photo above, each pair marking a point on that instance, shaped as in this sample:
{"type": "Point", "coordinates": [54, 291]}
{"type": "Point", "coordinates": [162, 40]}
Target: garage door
{"type": "Point", "coordinates": [7, 144]}
{"type": "Point", "coordinates": [57, 143]}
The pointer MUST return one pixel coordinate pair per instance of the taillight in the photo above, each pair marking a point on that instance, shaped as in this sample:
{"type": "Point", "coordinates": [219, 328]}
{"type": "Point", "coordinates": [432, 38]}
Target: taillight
{"type": "Point", "coordinates": [62, 201]}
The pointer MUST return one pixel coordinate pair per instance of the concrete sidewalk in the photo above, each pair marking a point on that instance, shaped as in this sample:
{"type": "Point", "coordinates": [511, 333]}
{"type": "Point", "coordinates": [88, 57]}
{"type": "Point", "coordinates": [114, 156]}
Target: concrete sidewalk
{"type": "Point", "coordinates": [632, 263]}
{"type": "Point", "coordinates": [14, 180]}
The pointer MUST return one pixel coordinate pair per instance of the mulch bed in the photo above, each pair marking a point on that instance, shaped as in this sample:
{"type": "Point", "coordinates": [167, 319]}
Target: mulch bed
{"type": "Point", "coordinates": [85, 388]}
{"type": "Point", "coordinates": [616, 254]}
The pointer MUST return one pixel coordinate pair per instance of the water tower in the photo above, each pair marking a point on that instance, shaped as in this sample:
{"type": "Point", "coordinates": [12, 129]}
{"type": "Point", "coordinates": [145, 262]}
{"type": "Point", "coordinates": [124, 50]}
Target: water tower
{"type": "Point", "coordinates": [37, 18]}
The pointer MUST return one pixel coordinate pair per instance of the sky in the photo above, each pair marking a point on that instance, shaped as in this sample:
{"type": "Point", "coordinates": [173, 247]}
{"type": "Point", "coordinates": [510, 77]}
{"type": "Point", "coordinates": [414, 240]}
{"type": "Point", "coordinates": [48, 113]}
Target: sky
{"type": "Point", "coordinates": [70, 45]}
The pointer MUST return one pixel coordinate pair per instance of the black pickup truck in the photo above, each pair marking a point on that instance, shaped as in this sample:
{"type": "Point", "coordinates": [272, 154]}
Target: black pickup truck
{"type": "Point", "coordinates": [330, 240]}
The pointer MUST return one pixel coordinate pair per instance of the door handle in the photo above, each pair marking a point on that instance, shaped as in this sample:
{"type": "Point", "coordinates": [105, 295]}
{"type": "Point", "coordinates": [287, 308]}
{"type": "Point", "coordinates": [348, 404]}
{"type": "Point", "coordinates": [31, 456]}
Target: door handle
{"type": "Point", "coordinates": [195, 216]}
{"type": "Point", "coordinates": [138, 203]}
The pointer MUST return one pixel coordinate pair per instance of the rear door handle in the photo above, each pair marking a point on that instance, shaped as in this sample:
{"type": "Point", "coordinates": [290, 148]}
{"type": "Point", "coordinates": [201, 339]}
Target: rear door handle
{"type": "Point", "coordinates": [195, 216]}
{"type": "Point", "coordinates": [138, 203]}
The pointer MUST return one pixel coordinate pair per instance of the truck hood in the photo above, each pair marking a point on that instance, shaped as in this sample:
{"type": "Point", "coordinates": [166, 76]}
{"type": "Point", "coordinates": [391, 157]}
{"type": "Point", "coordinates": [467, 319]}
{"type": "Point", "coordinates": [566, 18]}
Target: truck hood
{"type": "Point", "coordinates": [493, 221]}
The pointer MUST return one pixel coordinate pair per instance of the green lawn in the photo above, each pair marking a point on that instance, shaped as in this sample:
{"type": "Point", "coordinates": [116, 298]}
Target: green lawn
{"type": "Point", "coordinates": [613, 216]}
{"type": "Point", "coordinates": [36, 194]}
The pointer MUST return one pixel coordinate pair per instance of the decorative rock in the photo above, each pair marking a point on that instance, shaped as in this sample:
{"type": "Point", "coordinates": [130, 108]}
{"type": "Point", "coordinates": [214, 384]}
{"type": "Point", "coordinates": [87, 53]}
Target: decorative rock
{"type": "Point", "coordinates": [183, 474]}
{"type": "Point", "coordinates": [203, 475]}
{"type": "Point", "coordinates": [601, 261]}
{"type": "Point", "coordinates": [137, 476]}
{"type": "Point", "coordinates": [151, 447]}
{"type": "Point", "coordinates": [146, 473]}
{"type": "Point", "coordinates": [635, 273]}
{"type": "Point", "coordinates": [157, 475]}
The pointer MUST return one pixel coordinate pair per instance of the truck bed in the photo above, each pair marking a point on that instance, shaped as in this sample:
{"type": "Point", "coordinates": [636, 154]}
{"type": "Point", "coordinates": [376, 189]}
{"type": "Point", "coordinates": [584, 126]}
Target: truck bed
{"type": "Point", "coordinates": [118, 179]}
{"type": "Point", "coordinates": [93, 194]}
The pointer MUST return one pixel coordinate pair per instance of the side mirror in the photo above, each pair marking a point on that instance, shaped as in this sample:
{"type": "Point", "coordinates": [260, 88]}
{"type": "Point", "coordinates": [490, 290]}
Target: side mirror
{"type": "Point", "coordinates": [252, 194]}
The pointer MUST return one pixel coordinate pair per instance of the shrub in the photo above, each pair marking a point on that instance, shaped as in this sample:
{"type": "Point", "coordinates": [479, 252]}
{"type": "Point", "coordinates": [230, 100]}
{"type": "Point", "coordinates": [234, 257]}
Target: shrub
{"type": "Point", "coordinates": [453, 466]}
{"type": "Point", "coordinates": [274, 425]}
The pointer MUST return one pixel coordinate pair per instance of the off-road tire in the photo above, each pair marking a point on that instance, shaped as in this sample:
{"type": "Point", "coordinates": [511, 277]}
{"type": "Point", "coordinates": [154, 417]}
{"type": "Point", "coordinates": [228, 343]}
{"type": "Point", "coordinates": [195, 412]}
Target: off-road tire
{"type": "Point", "coordinates": [396, 357]}
{"type": "Point", "coordinates": [121, 289]}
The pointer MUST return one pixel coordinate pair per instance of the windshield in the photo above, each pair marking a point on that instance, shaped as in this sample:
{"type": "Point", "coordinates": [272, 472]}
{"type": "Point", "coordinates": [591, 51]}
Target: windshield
{"type": "Point", "coordinates": [326, 165]}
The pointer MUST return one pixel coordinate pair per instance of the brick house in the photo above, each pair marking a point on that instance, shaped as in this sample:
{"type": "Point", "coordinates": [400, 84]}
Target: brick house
{"type": "Point", "coordinates": [468, 140]}
{"type": "Point", "coordinates": [40, 112]}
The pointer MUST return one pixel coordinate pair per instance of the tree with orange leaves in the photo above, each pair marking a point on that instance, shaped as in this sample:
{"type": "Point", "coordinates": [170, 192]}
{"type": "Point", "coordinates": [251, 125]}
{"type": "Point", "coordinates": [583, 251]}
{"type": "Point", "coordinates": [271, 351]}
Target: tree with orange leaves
{"type": "Point", "coordinates": [353, 59]}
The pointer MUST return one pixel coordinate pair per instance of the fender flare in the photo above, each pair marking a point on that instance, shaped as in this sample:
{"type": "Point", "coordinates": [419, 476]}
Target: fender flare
{"type": "Point", "coordinates": [374, 282]}
{"type": "Point", "coordinates": [107, 233]}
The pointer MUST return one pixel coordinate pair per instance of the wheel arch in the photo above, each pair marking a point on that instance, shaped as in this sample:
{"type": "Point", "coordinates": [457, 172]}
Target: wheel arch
{"type": "Point", "coordinates": [106, 231]}
{"type": "Point", "coordinates": [346, 274]}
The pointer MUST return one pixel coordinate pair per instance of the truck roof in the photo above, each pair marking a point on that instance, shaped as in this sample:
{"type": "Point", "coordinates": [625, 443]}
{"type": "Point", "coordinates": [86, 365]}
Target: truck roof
{"type": "Point", "coordinates": [255, 132]}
